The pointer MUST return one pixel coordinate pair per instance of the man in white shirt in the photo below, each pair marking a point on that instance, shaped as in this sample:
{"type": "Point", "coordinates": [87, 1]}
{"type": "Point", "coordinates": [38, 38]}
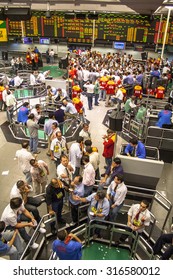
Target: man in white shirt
{"type": "Point", "coordinates": [37, 112]}
{"type": "Point", "coordinates": [10, 102]}
{"type": "Point", "coordinates": [64, 171]}
{"type": "Point", "coordinates": [70, 109]}
{"type": "Point", "coordinates": [58, 147]}
{"type": "Point", "coordinates": [90, 91]}
{"type": "Point", "coordinates": [32, 79]}
{"type": "Point", "coordinates": [116, 194]}
{"type": "Point", "coordinates": [85, 132]}
{"type": "Point", "coordinates": [12, 221]}
{"type": "Point", "coordinates": [39, 172]}
{"type": "Point", "coordinates": [138, 218]}
{"type": "Point", "coordinates": [17, 81]}
{"type": "Point", "coordinates": [22, 189]}
{"type": "Point", "coordinates": [75, 155]}
{"type": "Point", "coordinates": [24, 157]}
{"type": "Point", "coordinates": [94, 160]}
{"type": "Point", "coordinates": [51, 55]}
{"type": "Point", "coordinates": [88, 176]}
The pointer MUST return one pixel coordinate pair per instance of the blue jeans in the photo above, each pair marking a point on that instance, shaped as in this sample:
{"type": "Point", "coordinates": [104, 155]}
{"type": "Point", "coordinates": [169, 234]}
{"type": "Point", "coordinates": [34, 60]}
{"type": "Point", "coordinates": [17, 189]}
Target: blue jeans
{"type": "Point", "coordinates": [28, 177]}
{"type": "Point", "coordinates": [114, 212]}
{"type": "Point", "coordinates": [16, 250]}
{"type": "Point", "coordinates": [96, 99]}
{"type": "Point", "coordinates": [108, 161]}
{"type": "Point", "coordinates": [102, 94]}
{"type": "Point", "coordinates": [90, 100]}
{"type": "Point", "coordinates": [33, 144]}
{"type": "Point", "coordinates": [87, 190]}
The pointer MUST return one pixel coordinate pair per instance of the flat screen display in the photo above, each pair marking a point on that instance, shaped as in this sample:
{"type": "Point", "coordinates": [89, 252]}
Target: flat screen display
{"type": "Point", "coordinates": [45, 41]}
{"type": "Point", "coordinates": [119, 45]}
{"type": "Point", "coordinates": [27, 40]}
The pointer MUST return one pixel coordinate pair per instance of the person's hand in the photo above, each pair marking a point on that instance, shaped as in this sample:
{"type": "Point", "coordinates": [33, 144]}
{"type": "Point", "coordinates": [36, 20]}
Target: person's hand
{"type": "Point", "coordinates": [129, 224]}
{"type": "Point", "coordinates": [113, 206]}
{"type": "Point", "coordinates": [76, 197]}
{"type": "Point", "coordinates": [51, 213]}
{"type": "Point", "coordinates": [30, 224]}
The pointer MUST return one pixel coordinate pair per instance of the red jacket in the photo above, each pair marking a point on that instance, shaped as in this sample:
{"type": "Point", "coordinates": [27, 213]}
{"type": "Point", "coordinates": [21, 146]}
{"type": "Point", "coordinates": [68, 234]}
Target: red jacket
{"type": "Point", "coordinates": [109, 147]}
{"type": "Point", "coordinates": [160, 92]}
{"type": "Point", "coordinates": [110, 87]}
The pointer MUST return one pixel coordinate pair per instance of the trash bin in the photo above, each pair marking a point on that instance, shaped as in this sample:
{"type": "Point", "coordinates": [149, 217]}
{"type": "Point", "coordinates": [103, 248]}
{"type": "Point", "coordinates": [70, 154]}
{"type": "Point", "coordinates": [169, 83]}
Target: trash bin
{"type": "Point", "coordinates": [116, 120]}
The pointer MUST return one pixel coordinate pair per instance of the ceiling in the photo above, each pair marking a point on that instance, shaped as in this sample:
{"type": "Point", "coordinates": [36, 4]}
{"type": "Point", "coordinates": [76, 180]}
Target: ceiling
{"type": "Point", "coordinates": [116, 6]}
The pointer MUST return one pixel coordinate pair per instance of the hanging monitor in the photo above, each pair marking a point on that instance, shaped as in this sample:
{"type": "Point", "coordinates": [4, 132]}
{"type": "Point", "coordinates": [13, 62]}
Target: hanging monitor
{"type": "Point", "coordinates": [27, 40]}
{"type": "Point", "coordinates": [44, 41]}
{"type": "Point", "coordinates": [119, 45]}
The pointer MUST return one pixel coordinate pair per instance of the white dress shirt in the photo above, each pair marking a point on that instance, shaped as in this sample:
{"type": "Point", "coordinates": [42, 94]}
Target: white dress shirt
{"type": "Point", "coordinates": [88, 175]}
{"type": "Point", "coordinates": [75, 154]}
{"type": "Point", "coordinates": [24, 158]}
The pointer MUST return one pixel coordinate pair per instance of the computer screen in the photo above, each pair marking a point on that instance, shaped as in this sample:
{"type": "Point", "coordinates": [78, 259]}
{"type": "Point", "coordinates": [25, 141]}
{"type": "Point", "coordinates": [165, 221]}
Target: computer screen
{"type": "Point", "coordinates": [27, 40]}
{"type": "Point", "coordinates": [45, 41]}
{"type": "Point", "coordinates": [119, 45]}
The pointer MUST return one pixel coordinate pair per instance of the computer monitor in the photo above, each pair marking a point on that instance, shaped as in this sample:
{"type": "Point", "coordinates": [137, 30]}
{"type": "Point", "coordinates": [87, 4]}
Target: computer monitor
{"type": "Point", "coordinates": [44, 41]}
{"type": "Point", "coordinates": [119, 45]}
{"type": "Point", "coordinates": [27, 40]}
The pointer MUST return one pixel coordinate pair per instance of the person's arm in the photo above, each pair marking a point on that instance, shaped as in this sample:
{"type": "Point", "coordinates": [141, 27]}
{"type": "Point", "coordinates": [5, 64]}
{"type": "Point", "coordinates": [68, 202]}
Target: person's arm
{"type": "Point", "coordinates": [127, 150]}
{"type": "Point", "coordinates": [129, 221]}
{"type": "Point", "coordinates": [11, 242]}
{"type": "Point", "coordinates": [46, 167]}
{"type": "Point", "coordinates": [28, 215]}
{"type": "Point", "coordinates": [73, 236]}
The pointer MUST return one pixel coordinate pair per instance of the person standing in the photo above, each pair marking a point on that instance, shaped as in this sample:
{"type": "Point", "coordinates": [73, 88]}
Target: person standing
{"type": "Point", "coordinates": [22, 115]}
{"type": "Point", "coordinates": [90, 93]}
{"type": "Point", "coordinates": [66, 248]}
{"type": "Point", "coordinates": [60, 117]}
{"type": "Point", "coordinates": [10, 102]}
{"type": "Point", "coordinates": [96, 91]}
{"type": "Point", "coordinates": [88, 175]}
{"type": "Point", "coordinates": [52, 56]}
{"type": "Point", "coordinates": [75, 155]}
{"type": "Point", "coordinates": [39, 172]}
{"type": "Point", "coordinates": [108, 151]}
{"type": "Point", "coordinates": [164, 116]}
{"type": "Point", "coordinates": [64, 171]}
{"type": "Point", "coordinates": [85, 132]}
{"type": "Point", "coordinates": [116, 194]}
{"type": "Point", "coordinates": [48, 130]}
{"type": "Point", "coordinates": [33, 128]}
{"type": "Point", "coordinates": [138, 218]}
{"type": "Point", "coordinates": [54, 199]}
{"type": "Point", "coordinates": [24, 157]}
{"type": "Point", "coordinates": [58, 148]}
{"type": "Point", "coordinates": [77, 190]}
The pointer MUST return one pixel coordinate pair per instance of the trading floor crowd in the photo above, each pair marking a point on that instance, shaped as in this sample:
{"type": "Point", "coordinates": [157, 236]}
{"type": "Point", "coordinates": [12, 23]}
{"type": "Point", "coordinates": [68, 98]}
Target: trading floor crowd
{"type": "Point", "coordinates": [78, 179]}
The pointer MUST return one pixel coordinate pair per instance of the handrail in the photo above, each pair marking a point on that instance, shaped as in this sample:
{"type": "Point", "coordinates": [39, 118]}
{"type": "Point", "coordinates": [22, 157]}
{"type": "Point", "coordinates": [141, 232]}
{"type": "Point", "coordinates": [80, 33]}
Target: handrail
{"type": "Point", "coordinates": [34, 235]}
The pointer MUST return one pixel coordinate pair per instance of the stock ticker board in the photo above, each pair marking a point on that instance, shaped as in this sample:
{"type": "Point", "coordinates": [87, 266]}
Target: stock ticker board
{"type": "Point", "coordinates": [113, 27]}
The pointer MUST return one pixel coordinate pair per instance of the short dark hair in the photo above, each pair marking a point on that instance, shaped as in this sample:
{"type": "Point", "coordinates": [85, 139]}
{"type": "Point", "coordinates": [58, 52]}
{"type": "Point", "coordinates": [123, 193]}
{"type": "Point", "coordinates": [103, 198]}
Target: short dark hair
{"type": "Point", "coordinates": [55, 124]}
{"type": "Point", "coordinates": [62, 235]}
{"type": "Point", "coordinates": [63, 156]}
{"type": "Point", "coordinates": [32, 161]}
{"type": "Point", "coordinates": [19, 183]}
{"type": "Point", "coordinates": [51, 115]}
{"type": "Point", "coordinates": [101, 194]}
{"type": "Point", "coordinates": [2, 226]}
{"type": "Point", "coordinates": [37, 106]}
{"type": "Point", "coordinates": [168, 107]}
{"type": "Point", "coordinates": [146, 202]}
{"type": "Point", "coordinates": [89, 149]}
{"type": "Point", "coordinates": [134, 141]}
{"type": "Point", "coordinates": [79, 139]}
{"type": "Point", "coordinates": [31, 116]}
{"type": "Point", "coordinates": [25, 104]}
{"type": "Point", "coordinates": [25, 144]}
{"type": "Point", "coordinates": [85, 158]}
{"type": "Point", "coordinates": [15, 202]}
{"type": "Point", "coordinates": [120, 177]}
{"type": "Point", "coordinates": [88, 142]}
{"type": "Point", "coordinates": [117, 160]}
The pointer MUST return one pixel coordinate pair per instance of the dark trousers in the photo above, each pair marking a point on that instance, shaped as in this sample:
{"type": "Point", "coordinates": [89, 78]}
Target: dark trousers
{"type": "Point", "coordinates": [163, 239]}
{"type": "Point", "coordinates": [31, 206]}
{"type": "Point", "coordinates": [57, 208]}
{"type": "Point", "coordinates": [90, 100]}
{"type": "Point", "coordinates": [74, 212]}
{"type": "Point", "coordinates": [77, 172]}
{"type": "Point", "coordinates": [96, 99]}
